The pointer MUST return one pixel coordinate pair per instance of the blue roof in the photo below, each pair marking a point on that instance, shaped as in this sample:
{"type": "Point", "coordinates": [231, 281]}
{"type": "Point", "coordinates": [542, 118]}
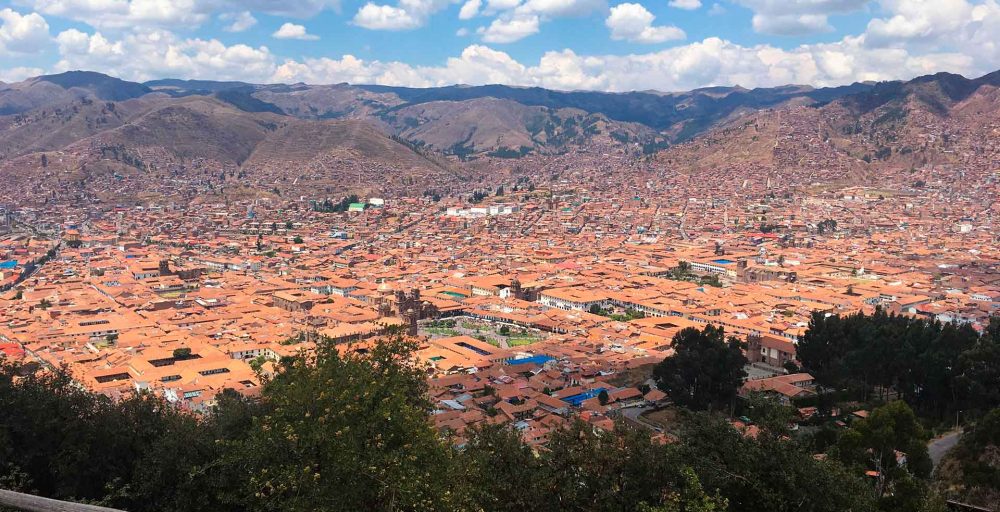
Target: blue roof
{"type": "Point", "coordinates": [8, 264]}
{"type": "Point", "coordinates": [576, 400]}
{"type": "Point", "coordinates": [538, 359]}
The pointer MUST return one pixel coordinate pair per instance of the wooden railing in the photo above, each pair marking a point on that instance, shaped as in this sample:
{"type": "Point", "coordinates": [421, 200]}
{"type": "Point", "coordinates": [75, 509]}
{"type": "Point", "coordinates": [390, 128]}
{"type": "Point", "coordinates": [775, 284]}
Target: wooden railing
{"type": "Point", "coordinates": [29, 503]}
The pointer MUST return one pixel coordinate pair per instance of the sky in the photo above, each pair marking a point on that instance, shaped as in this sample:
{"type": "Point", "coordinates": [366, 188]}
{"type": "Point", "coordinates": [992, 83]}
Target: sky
{"type": "Point", "coordinates": [665, 45]}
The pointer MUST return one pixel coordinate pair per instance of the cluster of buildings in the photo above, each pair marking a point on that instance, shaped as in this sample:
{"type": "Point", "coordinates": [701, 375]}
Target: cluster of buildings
{"type": "Point", "coordinates": [550, 302]}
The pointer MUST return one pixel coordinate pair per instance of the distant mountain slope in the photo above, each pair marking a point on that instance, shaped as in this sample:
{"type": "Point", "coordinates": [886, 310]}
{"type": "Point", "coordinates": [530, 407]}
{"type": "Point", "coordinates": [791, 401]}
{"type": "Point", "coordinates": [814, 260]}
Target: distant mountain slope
{"type": "Point", "coordinates": [102, 86]}
{"type": "Point", "coordinates": [305, 141]}
{"type": "Point", "coordinates": [338, 101]}
{"type": "Point", "coordinates": [323, 140]}
{"type": "Point", "coordinates": [196, 127]}
{"type": "Point", "coordinates": [896, 126]}
{"type": "Point", "coordinates": [186, 87]}
{"type": "Point", "coordinates": [660, 111]}
{"type": "Point", "coordinates": [159, 146]}
{"type": "Point", "coordinates": [64, 88]}
{"type": "Point", "coordinates": [495, 125]}
{"type": "Point", "coordinates": [679, 116]}
{"type": "Point", "coordinates": [56, 126]}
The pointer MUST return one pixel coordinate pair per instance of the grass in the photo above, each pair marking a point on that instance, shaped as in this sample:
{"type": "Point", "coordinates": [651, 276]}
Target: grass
{"type": "Point", "coordinates": [440, 331]}
{"type": "Point", "coordinates": [518, 342]}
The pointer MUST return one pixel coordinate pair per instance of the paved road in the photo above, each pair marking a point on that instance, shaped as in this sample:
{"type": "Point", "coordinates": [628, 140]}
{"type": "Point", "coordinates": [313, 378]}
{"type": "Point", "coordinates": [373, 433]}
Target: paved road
{"type": "Point", "coordinates": [939, 446]}
{"type": "Point", "coordinates": [634, 414]}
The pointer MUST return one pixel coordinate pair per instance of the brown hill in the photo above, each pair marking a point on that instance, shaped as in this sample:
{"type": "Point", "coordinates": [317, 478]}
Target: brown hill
{"type": "Point", "coordinates": [56, 126]}
{"type": "Point", "coordinates": [884, 136]}
{"type": "Point", "coordinates": [196, 127]}
{"type": "Point", "coordinates": [198, 145]}
{"type": "Point", "coordinates": [495, 125]}
{"type": "Point", "coordinates": [326, 101]}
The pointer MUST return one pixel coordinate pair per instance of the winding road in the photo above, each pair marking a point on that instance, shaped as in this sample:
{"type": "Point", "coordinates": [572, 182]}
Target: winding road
{"type": "Point", "coordinates": [939, 446]}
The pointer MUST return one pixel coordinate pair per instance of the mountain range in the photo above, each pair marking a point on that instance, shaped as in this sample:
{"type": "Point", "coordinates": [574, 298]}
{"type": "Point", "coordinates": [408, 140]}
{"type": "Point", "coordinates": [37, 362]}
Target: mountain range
{"type": "Point", "coordinates": [435, 132]}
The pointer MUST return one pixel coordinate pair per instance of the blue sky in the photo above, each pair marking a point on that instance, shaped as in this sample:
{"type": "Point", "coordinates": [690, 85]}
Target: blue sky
{"type": "Point", "coordinates": [563, 44]}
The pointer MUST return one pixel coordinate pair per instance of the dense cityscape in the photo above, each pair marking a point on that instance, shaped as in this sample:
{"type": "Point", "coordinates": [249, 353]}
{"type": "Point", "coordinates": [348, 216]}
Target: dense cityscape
{"type": "Point", "coordinates": [796, 299]}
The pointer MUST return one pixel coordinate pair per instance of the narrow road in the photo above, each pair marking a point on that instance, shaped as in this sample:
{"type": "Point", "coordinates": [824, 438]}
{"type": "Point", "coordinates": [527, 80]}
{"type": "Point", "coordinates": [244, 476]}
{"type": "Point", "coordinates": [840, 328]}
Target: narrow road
{"type": "Point", "coordinates": [634, 414]}
{"type": "Point", "coordinates": [939, 446]}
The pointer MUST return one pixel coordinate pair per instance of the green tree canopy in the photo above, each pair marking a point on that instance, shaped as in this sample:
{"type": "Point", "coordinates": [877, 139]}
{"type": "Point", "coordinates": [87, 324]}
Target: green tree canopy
{"type": "Point", "coordinates": [706, 370]}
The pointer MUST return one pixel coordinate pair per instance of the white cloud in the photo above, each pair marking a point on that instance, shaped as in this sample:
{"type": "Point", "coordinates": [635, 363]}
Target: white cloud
{"type": "Point", "coordinates": [470, 9]}
{"type": "Point", "coordinates": [407, 15]}
{"type": "Point", "coordinates": [17, 74]}
{"type": "Point", "coordinates": [791, 24]}
{"type": "Point", "coordinates": [689, 5]}
{"type": "Point", "coordinates": [507, 29]}
{"type": "Point", "coordinates": [495, 6]}
{"type": "Point", "coordinates": [293, 31]}
{"type": "Point", "coordinates": [923, 21]}
{"type": "Point", "coordinates": [557, 8]}
{"type": "Point", "coordinates": [797, 17]}
{"type": "Point", "coordinates": [633, 23]}
{"type": "Point", "coordinates": [127, 14]}
{"type": "Point", "coordinates": [385, 17]}
{"type": "Point", "coordinates": [238, 21]}
{"type": "Point", "coordinates": [518, 19]}
{"type": "Point", "coordinates": [120, 14]}
{"type": "Point", "coordinates": [294, 8]}
{"type": "Point", "coordinates": [923, 25]}
{"type": "Point", "coordinates": [712, 61]}
{"type": "Point", "coordinates": [902, 43]}
{"type": "Point", "coordinates": [163, 55]}
{"type": "Point", "coordinates": [716, 10]}
{"type": "Point", "coordinates": [23, 34]}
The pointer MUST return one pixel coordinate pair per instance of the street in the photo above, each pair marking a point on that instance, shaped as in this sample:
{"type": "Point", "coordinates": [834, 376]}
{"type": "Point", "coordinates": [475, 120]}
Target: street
{"type": "Point", "coordinates": [939, 446]}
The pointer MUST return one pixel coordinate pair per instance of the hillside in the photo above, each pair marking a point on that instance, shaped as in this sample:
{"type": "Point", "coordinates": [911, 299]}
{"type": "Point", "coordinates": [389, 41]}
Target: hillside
{"type": "Point", "coordinates": [200, 145]}
{"type": "Point", "coordinates": [494, 111]}
{"type": "Point", "coordinates": [53, 90]}
{"type": "Point", "coordinates": [57, 126]}
{"type": "Point", "coordinates": [223, 138]}
{"type": "Point", "coordinates": [197, 127]}
{"type": "Point", "coordinates": [895, 133]}
{"type": "Point", "coordinates": [495, 125]}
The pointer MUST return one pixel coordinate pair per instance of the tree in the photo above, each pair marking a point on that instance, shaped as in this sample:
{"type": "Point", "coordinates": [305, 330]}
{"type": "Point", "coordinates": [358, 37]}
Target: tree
{"type": "Point", "coordinates": [349, 431]}
{"type": "Point", "coordinates": [607, 471]}
{"type": "Point", "coordinates": [138, 453]}
{"type": "Point", "coordinates": [770, 415]}
{"type": "Point", "coordinates": [182, 353]}
{"type": "Point", "coordinates": [922, 360]}
{"type": "Point", "coordinates": [297, 239]}
{"type": "Point", "coordinates": [770, 473]}
{"type": "Point", "coordinates": [874, 443]}
{"type": "Point", "coordinates": [706, 370]}
{"type": "Point", "coordinates": [978, 372]}
{"type": "Point", "coordinates": [690, 497]}
{"type": "Point", "coordinates": [505, 468]}
{"type": "Point", "coordinates": [603, 397]}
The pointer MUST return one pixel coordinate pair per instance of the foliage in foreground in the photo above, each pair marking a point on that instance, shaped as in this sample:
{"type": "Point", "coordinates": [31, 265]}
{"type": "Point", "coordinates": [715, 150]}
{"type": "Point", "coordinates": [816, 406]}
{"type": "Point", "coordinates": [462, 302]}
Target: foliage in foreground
{"type": "Point", "coordinates": [971, 472]}
{"type": "Point", "coordinates": [939, 369]}
{"type": "Point", "coordinates": [350, 431]}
